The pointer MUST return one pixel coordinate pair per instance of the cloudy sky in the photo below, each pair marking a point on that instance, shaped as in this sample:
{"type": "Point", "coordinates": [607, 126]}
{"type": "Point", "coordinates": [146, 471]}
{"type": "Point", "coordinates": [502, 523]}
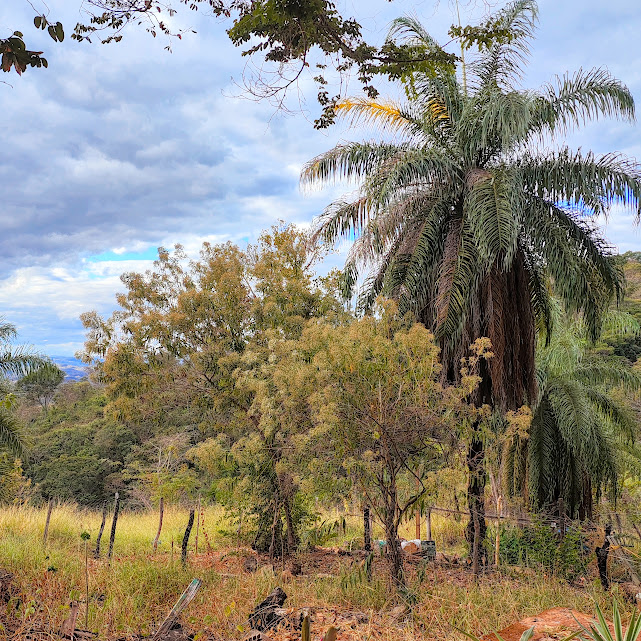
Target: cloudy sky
{"type": "Point", "coordinates": [116, 150]}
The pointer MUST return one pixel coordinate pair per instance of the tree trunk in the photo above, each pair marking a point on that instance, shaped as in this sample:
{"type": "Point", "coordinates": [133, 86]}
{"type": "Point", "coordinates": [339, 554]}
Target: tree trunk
{"type": "Point", "coordinates": [476, 499]}
{"type": "Point", "coordinates": [272, 544]}
{"type": "Point", "coordinates": [476, 544]}
{"type": "Point", "coordinates": [394, 554]}
{"type": "Point", "coordinates": [393, 545]}
{"type": "Point", "coordinates": [48, 519]}
{"type": "Point", "coordinates": [292, 539]}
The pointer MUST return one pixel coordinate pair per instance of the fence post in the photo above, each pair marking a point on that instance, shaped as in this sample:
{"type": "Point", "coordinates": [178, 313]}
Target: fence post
{"type": "Point", "coordinates": [162, 511]}
{"type": "Point", "coordinates": [497, 543]}
{"type": "Point", "coordinates": [198, 524]}
{"type": "Point", "coordinates": [46, 532]}
{"type": "Point", "coordinates": [112, 537]}
{"type": "Point", "coordinates": [190, 524]}
{"type": "Point", "coordinates": [96, 553]}
{"type": "Point", "coordinates": [418, 511]}
{"type": "Point", "coordinates": [367, 529]}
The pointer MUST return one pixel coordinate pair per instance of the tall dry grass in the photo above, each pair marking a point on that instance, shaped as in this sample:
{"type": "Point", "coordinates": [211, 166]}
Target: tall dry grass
{"type": "Point", "coordinates": [135, 592]}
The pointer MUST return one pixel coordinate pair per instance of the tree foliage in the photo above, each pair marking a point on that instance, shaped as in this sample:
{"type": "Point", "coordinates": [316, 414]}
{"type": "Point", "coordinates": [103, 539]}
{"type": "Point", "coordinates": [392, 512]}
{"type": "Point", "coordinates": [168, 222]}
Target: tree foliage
{"type": "Point", "coordinates": [380, 405]}
{"type": "Point", "coordinates": [41, 384]}
{"type": "Point", "coordinates": [193, 345]}
{"type": "Point", "coordinates": [583, 432]}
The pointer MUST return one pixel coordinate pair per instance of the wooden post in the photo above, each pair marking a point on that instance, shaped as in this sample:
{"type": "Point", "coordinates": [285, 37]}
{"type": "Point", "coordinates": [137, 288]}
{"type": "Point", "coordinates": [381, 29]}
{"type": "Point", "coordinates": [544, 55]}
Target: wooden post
{"type": "Point", "coordinates": [46, 532]}
{"type": "Point", "coordinates": [198, 524]}
{"type": "Point", "coordinates": [112, 537]}
{"type": "Point", "coordinates": [475, 545]}
{"type": "Point", "coordinates": [185, 599]}
{"type": "Point", "coordinates": [602, 558]}
{"type": "Point", "coordinates": [96, 553]}
{"type": "Point", "coordinates": [497, 543]}
{"type": "Point", "coordinates": [428, 524]}
{"type": "Point", "coordinates": [367, 530]}
{"type": "Point", "coordinates": [190, 524]}
{"type": "Point", "coordinates": [418, 512]}
{"type": "Point", "coordinates": [69, 624]}
{"type": "Point", "coordinates": [162, 512]}
{"type": "Point", "coordinates": [561, 518]}
{"type": "Point", "coordinates": [87, 583]}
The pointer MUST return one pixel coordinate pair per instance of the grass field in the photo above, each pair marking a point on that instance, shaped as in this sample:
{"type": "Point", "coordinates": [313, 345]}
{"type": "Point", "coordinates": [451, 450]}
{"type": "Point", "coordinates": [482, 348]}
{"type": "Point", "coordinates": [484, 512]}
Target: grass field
{"type": "Point", "coordinates": [133, 594]}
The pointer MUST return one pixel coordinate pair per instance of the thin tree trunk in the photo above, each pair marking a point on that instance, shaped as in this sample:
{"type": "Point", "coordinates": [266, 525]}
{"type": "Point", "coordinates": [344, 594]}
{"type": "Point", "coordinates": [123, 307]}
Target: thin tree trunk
{"type": "Point", "coordinates": [272, 545]}
{"type": "Point", "coordinates": [428, 524]}
{"type": "Point", "coordinates": [602, 558]}
{"type": "Point", "coordinates": [394, 554]}
{"type": "Point", "coordinates": [476, 498]}
{"type": "Point", "coordinates": [112, 537]}
{"type": "Point", "coordinates": [96, 553]}
{"type": "Point", "coordinates": [291, 535]}
{"type": "Point", "coordinates": [160, 517]}
{"type": "Point", "coordinates": [190, 524]}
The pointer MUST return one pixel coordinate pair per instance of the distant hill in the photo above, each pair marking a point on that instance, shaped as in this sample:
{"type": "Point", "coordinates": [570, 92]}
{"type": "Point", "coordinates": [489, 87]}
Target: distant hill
{"type": "Point", "coordinates": [74, 369]}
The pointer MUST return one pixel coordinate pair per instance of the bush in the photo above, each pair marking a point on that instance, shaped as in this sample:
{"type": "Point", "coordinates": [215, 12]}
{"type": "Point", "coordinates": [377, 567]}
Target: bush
{"type": "Point", "coordinates": [539, 546]}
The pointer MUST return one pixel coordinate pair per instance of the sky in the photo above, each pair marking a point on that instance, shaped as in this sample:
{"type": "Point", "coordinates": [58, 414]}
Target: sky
{"type": "Point", "coordinates": [116, 150]}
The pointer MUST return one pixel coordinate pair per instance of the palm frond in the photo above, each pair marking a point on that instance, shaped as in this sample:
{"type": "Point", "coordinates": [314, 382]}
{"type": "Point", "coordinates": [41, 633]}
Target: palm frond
{"type": "Point", "coordinates": [585, 95]}
{"type": "Point", "coordinates": [11, 434]}
{"type": "Point", "coordinates": [352, 160]}
{"type": "Point", "coordinates": [493, 215]}
{"type": "Point", "coordinates": [584, 180]}
{"type": "Point", "coordinates": [502, 63]}
{"type": "Point", "coordinates": [385, 116]}
{"type": "Point", "coordinates": [457, 280]}
{"type": "Point", "coordinates": [19, 361]}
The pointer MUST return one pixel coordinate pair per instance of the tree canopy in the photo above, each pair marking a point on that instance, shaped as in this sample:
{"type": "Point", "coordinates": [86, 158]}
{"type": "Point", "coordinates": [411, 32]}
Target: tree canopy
{"type": "Point", "coordinates": [468, 222]}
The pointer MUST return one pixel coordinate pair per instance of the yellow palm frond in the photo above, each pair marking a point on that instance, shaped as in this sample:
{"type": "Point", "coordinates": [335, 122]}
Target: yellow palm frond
{"type": "Point", "coordinates": [386, 115]}
{"type": "Point", "coordinates": [437, 110]}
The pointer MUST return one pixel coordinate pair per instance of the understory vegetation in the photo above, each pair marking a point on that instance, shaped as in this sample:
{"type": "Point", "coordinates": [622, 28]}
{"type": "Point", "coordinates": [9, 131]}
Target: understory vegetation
{"type": "Point", "coordinates": [135, 592]}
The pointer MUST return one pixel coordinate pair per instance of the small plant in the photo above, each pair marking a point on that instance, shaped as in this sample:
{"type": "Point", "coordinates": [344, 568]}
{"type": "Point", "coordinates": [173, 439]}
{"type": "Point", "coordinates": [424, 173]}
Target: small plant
{"type": "Point", "coordinates": [600, 631]}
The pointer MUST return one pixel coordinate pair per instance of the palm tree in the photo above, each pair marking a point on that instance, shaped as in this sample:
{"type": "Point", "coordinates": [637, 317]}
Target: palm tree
{"type": "Point", "coordinates": [14, 361]}
{"type": "Point", "coordinates": [462, 218]}
{"type": "Point", "coordinates": [582, 435]}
